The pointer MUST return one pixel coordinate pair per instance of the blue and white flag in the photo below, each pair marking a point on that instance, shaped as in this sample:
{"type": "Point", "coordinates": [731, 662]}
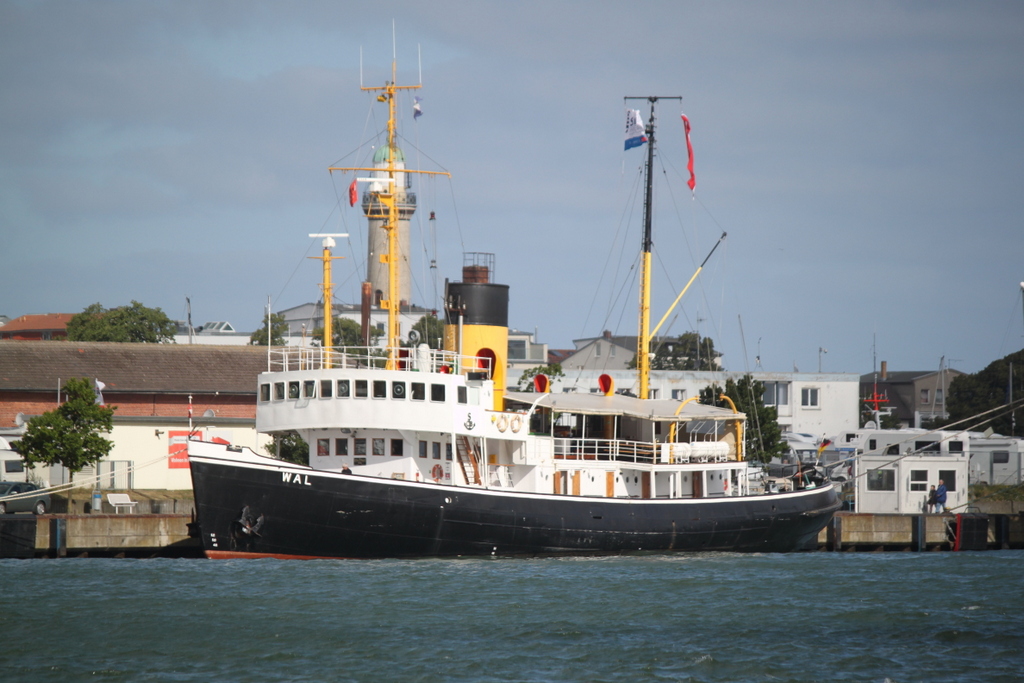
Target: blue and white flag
{"type": "Point", "coordinates": [634, 129]}
{"type": "Point", "coordinates": [416, 110]}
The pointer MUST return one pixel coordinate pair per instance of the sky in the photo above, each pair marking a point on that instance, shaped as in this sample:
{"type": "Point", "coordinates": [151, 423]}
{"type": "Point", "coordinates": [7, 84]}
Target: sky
{"type": "Point", "coordinates": [866, 160]}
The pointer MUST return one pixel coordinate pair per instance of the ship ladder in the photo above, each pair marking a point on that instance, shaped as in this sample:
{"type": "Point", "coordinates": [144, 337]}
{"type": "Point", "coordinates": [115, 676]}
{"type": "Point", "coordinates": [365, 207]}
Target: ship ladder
{"type": "Point", "coordinates": [464, 452]}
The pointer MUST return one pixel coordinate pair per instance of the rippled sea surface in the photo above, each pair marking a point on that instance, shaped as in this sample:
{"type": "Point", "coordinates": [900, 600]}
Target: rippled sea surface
{"type": "Point", "coordinates": [716, 617]}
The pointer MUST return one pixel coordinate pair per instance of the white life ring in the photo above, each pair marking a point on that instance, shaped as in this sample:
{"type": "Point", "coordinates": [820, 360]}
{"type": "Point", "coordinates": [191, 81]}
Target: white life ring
{"type": "Point", "coordinates": [502, 423]}
{"type": "Point", "coordinates": [517, 423]}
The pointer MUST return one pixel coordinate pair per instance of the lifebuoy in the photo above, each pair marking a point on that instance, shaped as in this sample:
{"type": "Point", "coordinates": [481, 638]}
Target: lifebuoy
{"type": "Point", "coordinates": [502, 423]}
{"type": "Point", "coordinates": [517, 423]}
{"type": "Point", "coordinates": [437, 472]}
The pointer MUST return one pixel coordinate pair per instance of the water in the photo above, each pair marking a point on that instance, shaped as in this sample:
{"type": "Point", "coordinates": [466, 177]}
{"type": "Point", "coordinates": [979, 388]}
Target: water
{"type": "Point", "coordinates": [896, 617]}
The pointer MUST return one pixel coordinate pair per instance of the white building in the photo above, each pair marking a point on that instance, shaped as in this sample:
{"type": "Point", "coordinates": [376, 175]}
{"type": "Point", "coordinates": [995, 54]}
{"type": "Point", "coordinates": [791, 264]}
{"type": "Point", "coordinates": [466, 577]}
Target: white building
{"type": "Point", "coordinates": [812, 403]}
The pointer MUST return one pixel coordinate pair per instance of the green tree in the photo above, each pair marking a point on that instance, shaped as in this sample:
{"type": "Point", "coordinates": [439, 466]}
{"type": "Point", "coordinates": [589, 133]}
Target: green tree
{"type": "Point", "coordinates": [430, 331]}
{"type": "Point", "coordinates": [762, 435]}
{"type": "Point", "coordinates": [346, 332]}
{"type": "Point", "coordinates": [290, 447]}
{"type": "Point", "coordinates": [552, 370]}
{"type": "Point", "coordinates": [131, 323]}
{"type": "Point", "coordinates": [685, 352]}
{"type": "Point", "coordinates": [985, 390]}
{"type": "Point", "coordinates": [278, 329]}
{"type": "Point", "coordinates": [70, 434]}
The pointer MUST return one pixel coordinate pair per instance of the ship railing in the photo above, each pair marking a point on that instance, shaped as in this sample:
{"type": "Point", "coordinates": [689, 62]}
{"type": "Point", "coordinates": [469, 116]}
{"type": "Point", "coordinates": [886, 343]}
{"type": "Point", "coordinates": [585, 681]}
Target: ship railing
{"type": "Point", "coordinates": [640, 452]}
{"type": "Point", "coordinates": [605, 449]}
{"type": "Point", "coordinates": [290, 358]}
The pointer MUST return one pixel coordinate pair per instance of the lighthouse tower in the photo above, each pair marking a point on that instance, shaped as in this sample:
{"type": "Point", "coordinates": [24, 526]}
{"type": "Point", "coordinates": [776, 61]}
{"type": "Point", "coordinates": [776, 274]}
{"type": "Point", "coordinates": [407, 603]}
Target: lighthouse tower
{"type": "Point", "coordinates": [377, 212]}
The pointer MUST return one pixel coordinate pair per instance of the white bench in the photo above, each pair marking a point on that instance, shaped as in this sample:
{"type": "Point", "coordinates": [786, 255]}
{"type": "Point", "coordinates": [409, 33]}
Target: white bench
{"type": "Point", "coordinates": [121, 500]}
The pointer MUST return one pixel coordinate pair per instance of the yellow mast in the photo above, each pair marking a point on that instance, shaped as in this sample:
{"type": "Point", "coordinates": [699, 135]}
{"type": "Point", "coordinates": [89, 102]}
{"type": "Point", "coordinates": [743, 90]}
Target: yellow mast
{"type": "Point", "coordinates": [389, 198]}
{"type": "Point", "coordinates": [643, 340]}
{"type": "Point", "coordinates": [328, 290]}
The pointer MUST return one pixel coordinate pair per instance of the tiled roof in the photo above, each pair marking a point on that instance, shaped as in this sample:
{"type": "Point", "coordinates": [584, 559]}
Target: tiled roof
{"type": "Point", "coordinates": [40, 322]}
{"type": "Point", "coordinates": [145, 368]}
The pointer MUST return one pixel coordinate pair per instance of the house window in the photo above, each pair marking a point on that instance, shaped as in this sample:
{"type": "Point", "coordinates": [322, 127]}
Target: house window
{"type": "Point", "coordinates": [517, 349]}
{"type": "Point", "coordinates": [398, 390]}
{"type": "Point", "coordinates": [925, 396]}
{"type": "Point", "coordinates": [423, 449]}
{"type": "Point", "coordinates": [776, 394]}
{"type": "Point", "coordinates": [264, 392]}
{"type": "Point", "coordinates": [447, 451]}
{"type": "Point", "coordinates": [436, 450]}
{"type": "Point", "coordinates": [611, 350]}
{"type": "Point", "coordinates": [378, 446]}
{"type": "Point", "coordinates": [809, 397]}
{"type": "Point", "coordinates": [679, 394]}
{"type": "Point", "coordinates": [309, 388]}
{"type": "Point", "coordinates": [948, 478]}
{"type": "Point", "coordinates": [278, 391]}
{"type": "Point", "coordinates": [344, 388]}
{"type": "Point", "coordinates": [597, 349]}
{"type": "Point", "coordinates": [341, 446]}
{"type": "Point", "coordinates": [881, 480]}
{"type": "Point", "coordinates": [419, 391]}
{"type": "Point", "coordinates": [939, 398]}
{"type": "Point", "coordinates": [437, 393]}
{"type": "Point", "coordinates": [323, 447]}
{"type": "Point", "coordinates": [362, 388]}
{"type": "Point", "coordinates": [293, 389]}
{"type": "Point", "coordinates": [463, 395]}
{"type": "Point", "coordinates": [918, 480]}
{"type": "Point", "coordinates": [326, 387]}
{"type": "Point", "coordinates": [361, 447]}
{"type": "Point", "coordinates": [396, 446]}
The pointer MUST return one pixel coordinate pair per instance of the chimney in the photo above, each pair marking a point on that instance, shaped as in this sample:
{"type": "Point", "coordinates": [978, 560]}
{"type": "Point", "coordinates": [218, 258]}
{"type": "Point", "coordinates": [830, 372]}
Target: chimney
{"type": "Point", "coordinates": [885, 370]}
{"type": "Point", "coordinates": [607, 334]}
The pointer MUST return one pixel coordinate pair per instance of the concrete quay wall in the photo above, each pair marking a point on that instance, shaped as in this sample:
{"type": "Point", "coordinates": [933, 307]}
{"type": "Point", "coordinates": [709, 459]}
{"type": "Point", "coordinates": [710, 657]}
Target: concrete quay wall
{"type": "Point", "coordinates": [98, 535]}
{"type": "Point", "coordinates": [877, 532]}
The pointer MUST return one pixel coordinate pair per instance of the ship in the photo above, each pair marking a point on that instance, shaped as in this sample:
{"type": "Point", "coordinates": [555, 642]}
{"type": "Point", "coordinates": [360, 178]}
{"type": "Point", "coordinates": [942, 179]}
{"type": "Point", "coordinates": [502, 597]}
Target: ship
{"type": "Point", "coordinates": [425, 452]}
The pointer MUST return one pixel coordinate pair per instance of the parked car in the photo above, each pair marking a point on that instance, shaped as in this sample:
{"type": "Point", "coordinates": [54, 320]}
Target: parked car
{"type": "Point", "coordinates": [36, 502]}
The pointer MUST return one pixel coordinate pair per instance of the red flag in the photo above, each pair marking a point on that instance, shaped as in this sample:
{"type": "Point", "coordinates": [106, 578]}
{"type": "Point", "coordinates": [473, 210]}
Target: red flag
{"type": "Point", "coordinates": [353, 195]}
{"type": "Point", "coordinates": [692, 182]}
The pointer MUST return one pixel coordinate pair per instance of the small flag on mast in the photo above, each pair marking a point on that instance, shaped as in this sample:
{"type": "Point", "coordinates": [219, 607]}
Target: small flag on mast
{"type": "Point", "coordinates": [353, 193]}
{"type": "Point", "coordinates": [692, 182]}
{"type": "Point", "coordinates": [416, 110]}
{"type": "Point", "coordinates": [634, 129]}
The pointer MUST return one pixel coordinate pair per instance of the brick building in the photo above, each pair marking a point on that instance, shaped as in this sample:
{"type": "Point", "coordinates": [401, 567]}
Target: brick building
{"type": "Point", "coordinates": [37, 327]}
{"type": "Point", "coordinates": [151, 386]}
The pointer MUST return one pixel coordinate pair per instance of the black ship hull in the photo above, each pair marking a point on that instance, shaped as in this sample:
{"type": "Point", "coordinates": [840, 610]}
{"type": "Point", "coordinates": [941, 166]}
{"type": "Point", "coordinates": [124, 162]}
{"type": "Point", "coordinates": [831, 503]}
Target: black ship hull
{"type": "Point", "coordinates": [247, 510]}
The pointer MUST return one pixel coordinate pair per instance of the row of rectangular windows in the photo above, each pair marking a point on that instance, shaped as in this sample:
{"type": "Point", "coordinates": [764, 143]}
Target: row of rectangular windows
{"type": "Point", "coordinates": [377, 446]}
{"type": "Point", "coordinates": [885, 480]}
{"type": "Point", "coordinates": [308, 389]}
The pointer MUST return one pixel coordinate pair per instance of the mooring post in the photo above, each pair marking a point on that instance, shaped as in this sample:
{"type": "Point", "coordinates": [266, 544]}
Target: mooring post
{"type": "Point", "coordinates": [58, 536]}
{"type": "Point", "coordinates": [918, 534]}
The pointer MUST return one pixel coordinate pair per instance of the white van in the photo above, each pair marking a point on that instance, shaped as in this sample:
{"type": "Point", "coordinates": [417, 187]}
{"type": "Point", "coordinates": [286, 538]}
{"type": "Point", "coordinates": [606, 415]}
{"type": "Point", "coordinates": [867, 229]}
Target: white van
{"type": "Point", "coordinates": [11, 466]}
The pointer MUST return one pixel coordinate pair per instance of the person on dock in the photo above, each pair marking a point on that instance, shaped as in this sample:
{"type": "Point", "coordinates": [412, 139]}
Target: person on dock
{"type": "Point", "coordinates": [932, 502]}
{"type": "Point", "coordinates": [940, 497]}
